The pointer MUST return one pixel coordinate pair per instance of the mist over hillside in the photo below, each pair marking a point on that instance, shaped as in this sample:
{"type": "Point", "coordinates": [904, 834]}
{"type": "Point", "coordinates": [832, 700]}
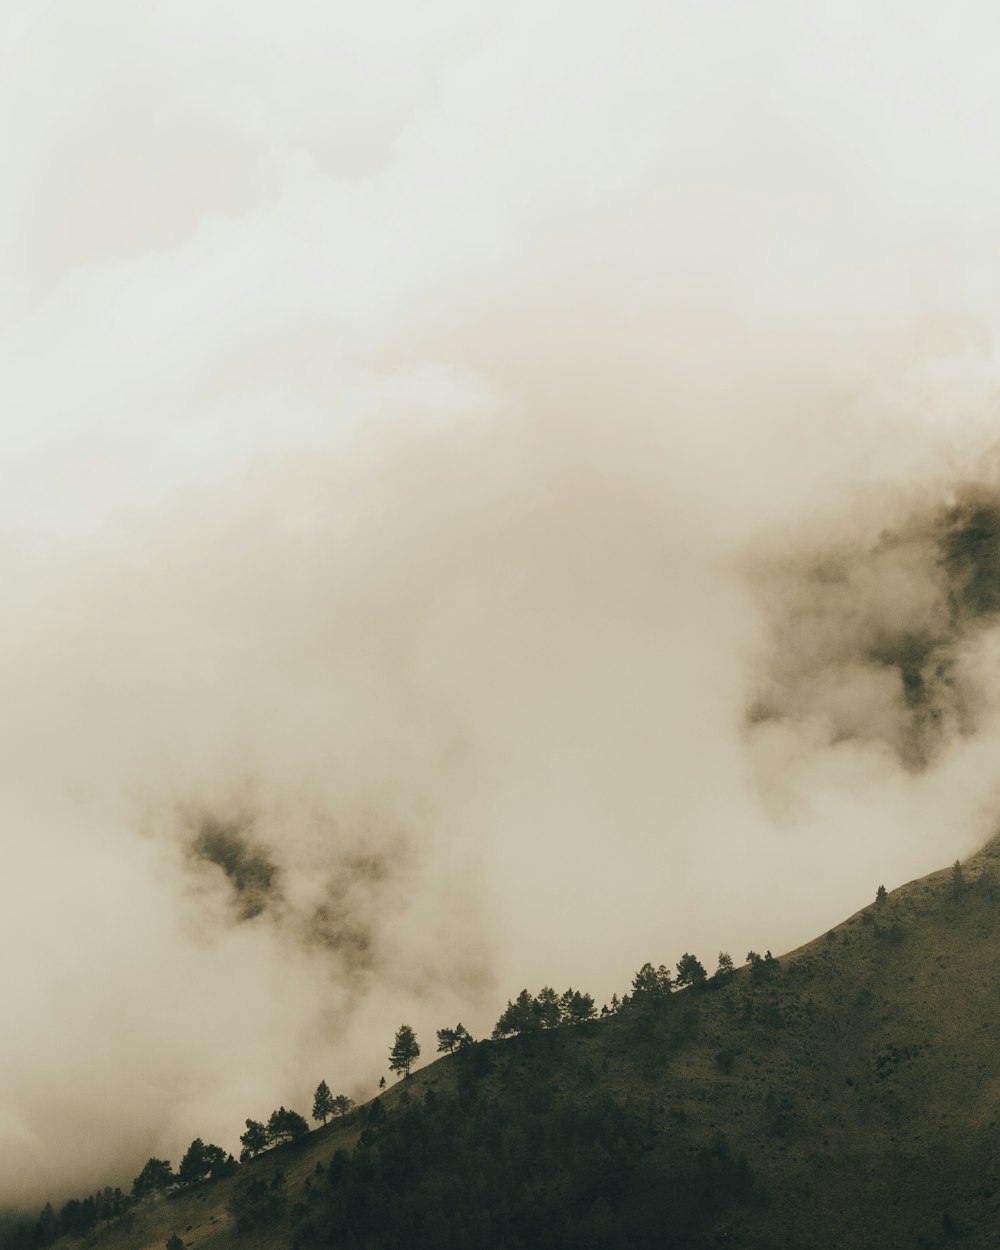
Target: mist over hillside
{"type": "Point", "coordinates": [486, 498]}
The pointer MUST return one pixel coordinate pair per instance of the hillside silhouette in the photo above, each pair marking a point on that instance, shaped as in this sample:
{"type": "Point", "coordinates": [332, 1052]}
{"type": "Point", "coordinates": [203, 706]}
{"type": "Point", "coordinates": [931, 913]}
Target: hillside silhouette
{"type": "Point", "coordinates": [844, 1095]}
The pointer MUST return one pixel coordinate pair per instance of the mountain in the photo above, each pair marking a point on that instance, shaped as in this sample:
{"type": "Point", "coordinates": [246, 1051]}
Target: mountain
{"type": "Point", "coordinates": [846, 1095]}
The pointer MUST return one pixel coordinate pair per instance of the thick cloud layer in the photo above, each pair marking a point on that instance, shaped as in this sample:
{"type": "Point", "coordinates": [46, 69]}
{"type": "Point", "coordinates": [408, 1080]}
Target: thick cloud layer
{"type": "Point", "coordinates": [490, 497]}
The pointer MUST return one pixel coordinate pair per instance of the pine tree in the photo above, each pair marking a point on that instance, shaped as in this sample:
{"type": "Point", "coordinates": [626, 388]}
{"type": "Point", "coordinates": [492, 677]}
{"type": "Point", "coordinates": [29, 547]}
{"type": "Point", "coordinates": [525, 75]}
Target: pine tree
{"type": "Point", "coordinates": [446, 1040]}
{"type": "Point", "coordinates": [580, 1007]}
{"type": "Point", "coordinates": [725, 969]}
{"type": "Point", "coordinates": [404, 1050]}
{"type": "Point", "coordinates": [156, 1174]}
{"type": "Point", "coordinates": [651, 983]}
{"type": "Point", "coordinates": [254, 1140]}
{"type": "Point", "coordinates": [322, 1103]}
{"type": "Point", "coordinates": [286, 1126]}
{"type": "Point", "coordinates": [550, 1012]}
{"type": "Point", "coordinates": [690, 971]}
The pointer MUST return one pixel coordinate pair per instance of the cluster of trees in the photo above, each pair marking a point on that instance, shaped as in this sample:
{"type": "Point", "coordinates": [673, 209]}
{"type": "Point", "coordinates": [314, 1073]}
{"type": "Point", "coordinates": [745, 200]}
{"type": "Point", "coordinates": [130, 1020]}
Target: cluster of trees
{"type": "Point", "coordinates": [526, 1014]}
{"type": "Point", "coordinates": [76, 1218]}
{"type": "Point", "coordinates": [653, 984]}
{"type": "Point", "coordinates": [282, 1126]}
{"type": "Point", "coordinates": [531, 1166]}
{"type": "Point", "coordinates": [325, 1105]}
{"type": "Point", "coordinates": [450, 1040]}
{"type": "Point", "coordinates": [546, 1010]}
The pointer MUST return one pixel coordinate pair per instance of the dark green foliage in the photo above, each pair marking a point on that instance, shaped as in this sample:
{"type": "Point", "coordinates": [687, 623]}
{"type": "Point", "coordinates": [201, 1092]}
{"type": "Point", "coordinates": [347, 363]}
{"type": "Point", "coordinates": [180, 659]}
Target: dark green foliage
{"type": "Point", "coordinates": [650, 985]}
{"type": "Point", "coordinates": [523, 1170]}
{"type": "Point", "coordinates": [724, 1061]}
{"type": "Point", "coordinates": [550, 1010]}
{"type": "Point", "coordinates": [156, 1174]}
{"type": "Point", "coordinates": [957, 884]}
{"type": "Point", "coordinates": [880, 894]}
{"type": "Point", "coordinates": [450, 1040]}
{"type": "Point", "coordinates": [726, 969]}
{"type": "Point", "coordinates": [889, 1060]}
{"type": "Point", "coordinates": [76, 1218]}
{"type": "Point", "coordinates": [762, 967]}
{"type": "Point", "coordinates": [892, 933]}
{"type": "Point", "coordinates": [254, 1140]}
{"type": "Point", "coordinates": [257, 1203]}
{"type": "Point", "coordinates": [322, 1102]}
{"type": "Point", "coordinates": [342, 1104]}
{"type": "Point", "coordinates": [285, 1126]}
{"type": "Point", "coordinates": [521, 1016]}
{"type": "Point", "coordinates": [175, 1243]}
{"type": "Point", "coordinates": [376, 1115]}
{"type": "Point", "coordinates": [577, 1007]}
{"type": "Point", "coordinates": [690, 971]}
{"type": "Point", "coordinates": [47, 1228]}
{"type": "Point", "coordinates": [405, 1049]}
{"type": "Point", "coordinates": [202, 1162]}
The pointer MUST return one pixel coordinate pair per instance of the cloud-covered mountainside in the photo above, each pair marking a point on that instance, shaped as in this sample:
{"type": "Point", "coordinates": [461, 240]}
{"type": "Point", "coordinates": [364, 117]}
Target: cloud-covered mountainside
{"type": "Point", "coordinates": [890, 640]}
{"type": "Point", "coordinates": [485, 498]}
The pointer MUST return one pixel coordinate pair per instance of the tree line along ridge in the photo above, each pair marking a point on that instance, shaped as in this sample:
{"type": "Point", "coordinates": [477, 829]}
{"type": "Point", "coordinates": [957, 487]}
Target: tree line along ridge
{"type": "Point", "coordinates": [527, 1013]}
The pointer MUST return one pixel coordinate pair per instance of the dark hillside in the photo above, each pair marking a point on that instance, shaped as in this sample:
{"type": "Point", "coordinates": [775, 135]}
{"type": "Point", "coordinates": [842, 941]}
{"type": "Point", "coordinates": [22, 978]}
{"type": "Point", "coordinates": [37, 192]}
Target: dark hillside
{"type": "Point", "coordinates": [846, 1095]}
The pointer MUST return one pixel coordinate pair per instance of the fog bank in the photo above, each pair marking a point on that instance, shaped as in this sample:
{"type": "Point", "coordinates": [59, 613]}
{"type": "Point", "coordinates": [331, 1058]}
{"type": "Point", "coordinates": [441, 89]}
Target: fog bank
{"type": "Point", "coordinates": [488, 500]}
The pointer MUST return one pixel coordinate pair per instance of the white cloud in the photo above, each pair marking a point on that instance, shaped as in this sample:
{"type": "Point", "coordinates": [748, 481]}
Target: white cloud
{"type": "Point", "coordinates": [391, 398]}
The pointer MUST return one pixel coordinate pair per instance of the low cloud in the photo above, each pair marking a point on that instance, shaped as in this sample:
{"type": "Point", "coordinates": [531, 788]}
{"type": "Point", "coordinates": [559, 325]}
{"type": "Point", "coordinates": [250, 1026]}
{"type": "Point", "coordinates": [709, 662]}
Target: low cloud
{"type": "Point", "coordinates": [528, 512]}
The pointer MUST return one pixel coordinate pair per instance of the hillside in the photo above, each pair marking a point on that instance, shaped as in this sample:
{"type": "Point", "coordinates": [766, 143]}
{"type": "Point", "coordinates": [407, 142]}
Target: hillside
{"type": "Point", "coordinates": [859, 1080]}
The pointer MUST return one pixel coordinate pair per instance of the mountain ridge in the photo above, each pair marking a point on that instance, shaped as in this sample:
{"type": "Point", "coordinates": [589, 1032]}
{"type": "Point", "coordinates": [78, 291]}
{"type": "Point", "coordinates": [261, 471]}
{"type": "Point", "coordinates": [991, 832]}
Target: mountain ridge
{"type": "Point", "coordinates": [850, 1094]}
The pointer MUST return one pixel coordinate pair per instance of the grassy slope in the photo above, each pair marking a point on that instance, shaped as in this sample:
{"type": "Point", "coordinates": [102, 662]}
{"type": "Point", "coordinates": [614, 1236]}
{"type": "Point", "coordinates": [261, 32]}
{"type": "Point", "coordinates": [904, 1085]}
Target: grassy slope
{"type": "Point", "coordinates": [864, 1086]}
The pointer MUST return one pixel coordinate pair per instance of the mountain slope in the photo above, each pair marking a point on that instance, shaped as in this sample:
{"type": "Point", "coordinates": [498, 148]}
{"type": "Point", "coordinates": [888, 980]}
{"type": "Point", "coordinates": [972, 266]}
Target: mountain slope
{"type": "Point", "coordinates": [859, 1080]}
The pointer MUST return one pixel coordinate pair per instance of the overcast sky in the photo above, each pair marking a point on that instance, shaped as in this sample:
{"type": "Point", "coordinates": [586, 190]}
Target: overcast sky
{"type": "Point", "coordinates": [470, 473]}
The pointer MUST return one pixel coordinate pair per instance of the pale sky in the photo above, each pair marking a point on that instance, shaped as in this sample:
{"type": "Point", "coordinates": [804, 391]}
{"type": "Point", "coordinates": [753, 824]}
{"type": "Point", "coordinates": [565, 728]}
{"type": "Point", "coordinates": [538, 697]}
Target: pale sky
{"type": "Point", "coordinates": [420, 426]}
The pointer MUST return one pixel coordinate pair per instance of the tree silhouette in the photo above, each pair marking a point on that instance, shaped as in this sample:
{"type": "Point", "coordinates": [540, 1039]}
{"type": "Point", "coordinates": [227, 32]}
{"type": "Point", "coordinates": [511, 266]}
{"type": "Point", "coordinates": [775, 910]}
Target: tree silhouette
{"type": "Point", "coordinates": [322, 1103]}
{"type": "Point", "coordinates": [254, 1140]}
{"type": "Point", "coordinates": [549, 1008]}
{"type": "Point", "coordinates": [578, 1007]}
{"type": "Point", "coordinates": [285, 1126]}
{"type": "Point", "coordinates": [450, 1040]}
{"type": "Point", "coordinates": [446, 1040]}
{"type": "Point", "coordinates": [404, 1050]}
{"type": "Point", "coordinates": [342, 1104]}
{"type": "Point", "coordinates": [202, 1160]}
{"type": "Point", "coordinates": [650, 983]}
{"type": "Point", "coordinates": [690, 971]}
{"type": "Point", "coordinates": [156, 1174]}
{"type": "Point", "coordinates": [725, 970]}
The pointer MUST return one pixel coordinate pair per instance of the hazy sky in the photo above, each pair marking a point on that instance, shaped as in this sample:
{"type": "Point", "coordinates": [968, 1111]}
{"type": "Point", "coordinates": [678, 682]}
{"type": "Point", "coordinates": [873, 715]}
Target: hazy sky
{"type": "Point", "coordinates": [488, 494]}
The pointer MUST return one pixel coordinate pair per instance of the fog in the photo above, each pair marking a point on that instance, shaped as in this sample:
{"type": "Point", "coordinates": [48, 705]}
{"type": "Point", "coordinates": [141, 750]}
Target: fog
{"type": "Point", "coordinates": [491, 496]}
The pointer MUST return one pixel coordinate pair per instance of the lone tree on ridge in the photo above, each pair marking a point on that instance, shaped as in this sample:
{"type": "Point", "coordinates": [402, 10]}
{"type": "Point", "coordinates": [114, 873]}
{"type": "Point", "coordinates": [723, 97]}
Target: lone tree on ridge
{"type": "Point", "coordinates": [404, 1050]}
